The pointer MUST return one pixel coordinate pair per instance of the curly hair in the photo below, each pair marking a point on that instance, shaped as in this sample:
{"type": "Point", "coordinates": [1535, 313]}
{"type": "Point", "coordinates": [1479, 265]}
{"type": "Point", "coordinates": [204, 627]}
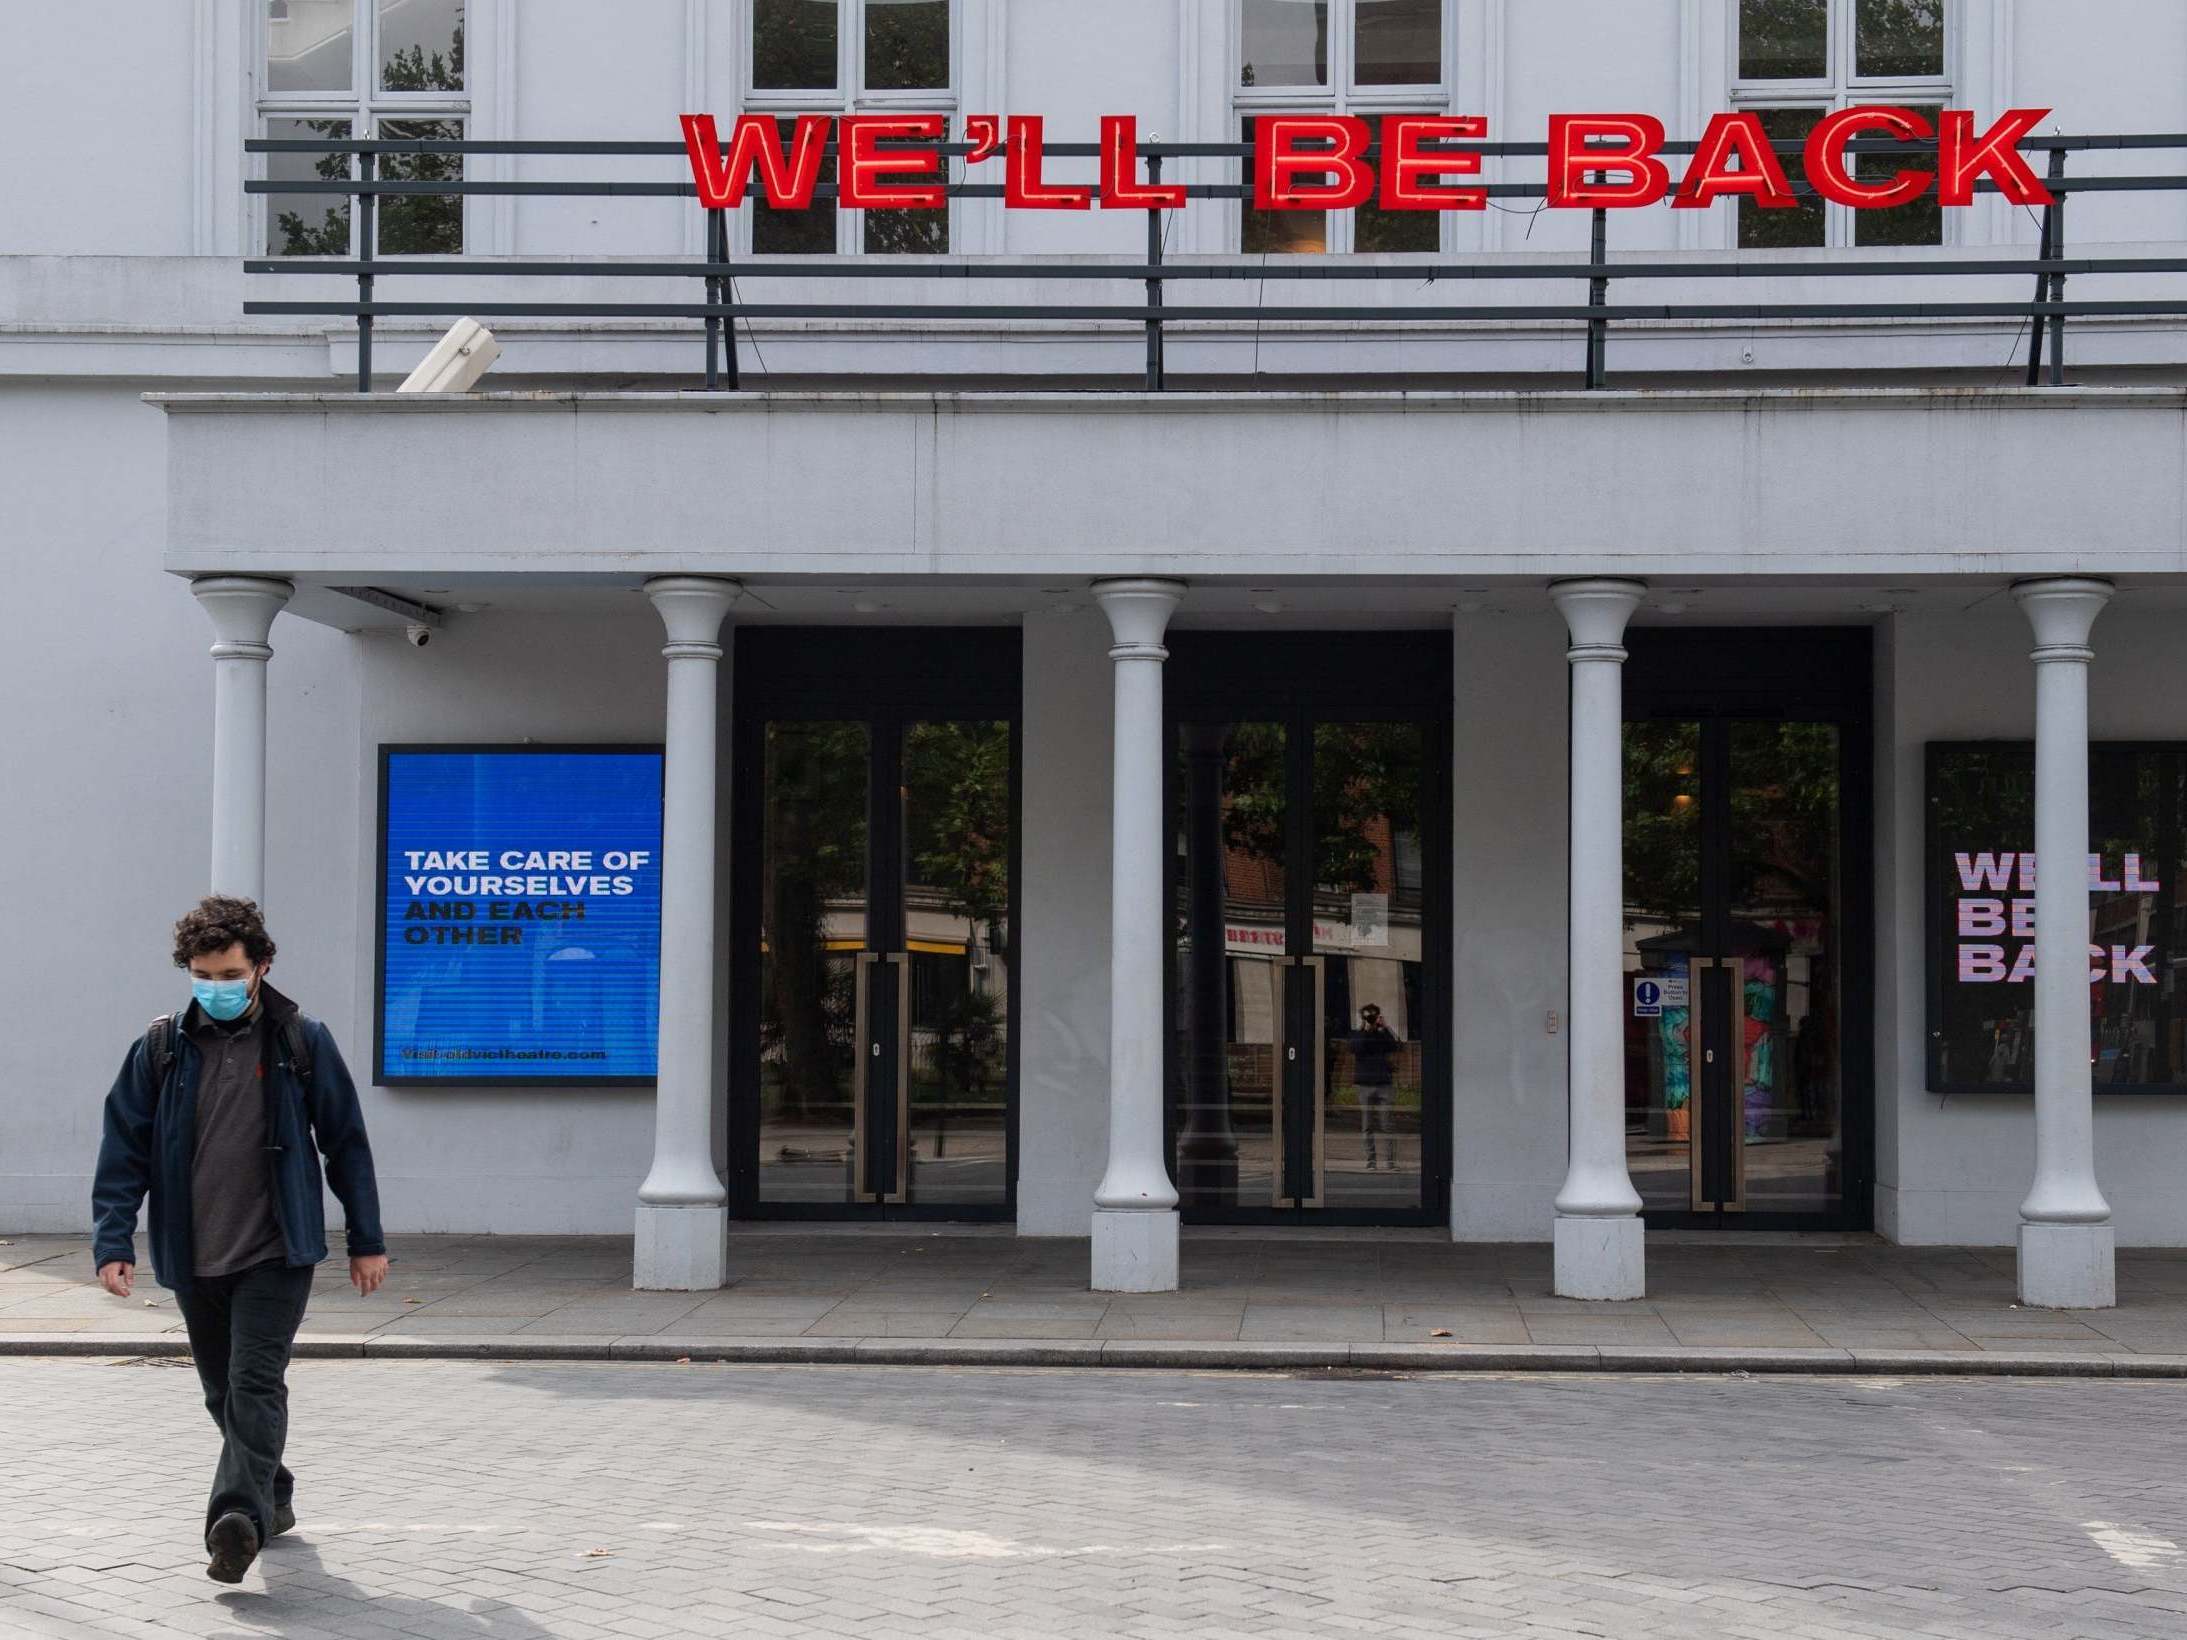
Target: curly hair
{"type": "Point", "coordinates": [217, 923]}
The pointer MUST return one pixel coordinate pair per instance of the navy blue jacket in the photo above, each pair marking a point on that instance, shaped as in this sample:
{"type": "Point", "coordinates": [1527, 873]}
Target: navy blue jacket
{"type": "Point", "coordinates": [151, 1133]}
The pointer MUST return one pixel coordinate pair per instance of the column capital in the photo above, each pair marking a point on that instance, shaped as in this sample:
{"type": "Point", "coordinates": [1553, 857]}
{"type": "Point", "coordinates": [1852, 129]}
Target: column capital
{"type": "Point", "coordinates": [692, 608]}
{"type": "Point", "coordinates": [1139, 610]}
{"type": "Point", "coordinates": [241, 608]}
{"type": "Point", "coordinates": [1595, 611]}
{"type": "Point", "coordinates": [2063, 609]}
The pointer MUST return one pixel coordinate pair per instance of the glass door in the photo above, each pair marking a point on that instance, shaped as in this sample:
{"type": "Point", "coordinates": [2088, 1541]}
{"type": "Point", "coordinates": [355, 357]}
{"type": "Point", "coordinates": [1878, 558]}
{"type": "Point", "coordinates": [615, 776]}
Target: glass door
{"type": "Point", "coordinates": [1736, 954]}
{"type": "Point", "coordinates": [1299, 1064]}
{"type": "Point", "coordinates": [872, 1070]}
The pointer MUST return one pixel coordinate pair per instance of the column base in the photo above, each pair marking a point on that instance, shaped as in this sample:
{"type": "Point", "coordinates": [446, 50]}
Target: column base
{"type": "Point", "coordinates": [681, 1249]}
{"type": "Point", "coordinates": [2069, 1266]}
{"type": "Point", "coordinates": [1601, 1257]}
{"type": "Point", "coordinates": [1134, 1251]}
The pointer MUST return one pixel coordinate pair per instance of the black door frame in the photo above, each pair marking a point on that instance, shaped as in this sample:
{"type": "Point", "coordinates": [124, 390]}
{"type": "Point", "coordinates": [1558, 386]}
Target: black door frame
{"type": "Point", "coordinates": [1298, 679]}
{"type": "Point", "coordinates": [885, 678]}
{"type": "Point", "coordinates": [1806, 674]}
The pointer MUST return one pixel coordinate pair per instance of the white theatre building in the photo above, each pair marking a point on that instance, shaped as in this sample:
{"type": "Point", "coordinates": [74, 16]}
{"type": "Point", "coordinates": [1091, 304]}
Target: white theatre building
{"type": "Point", "coordinates": [1370, 749]}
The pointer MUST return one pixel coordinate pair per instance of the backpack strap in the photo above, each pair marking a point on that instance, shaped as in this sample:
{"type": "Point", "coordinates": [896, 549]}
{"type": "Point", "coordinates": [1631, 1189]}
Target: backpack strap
{"type": "Point", "coordinates": [296, 1042]}
{"type": "Point", "coordinates": [159, 1051]}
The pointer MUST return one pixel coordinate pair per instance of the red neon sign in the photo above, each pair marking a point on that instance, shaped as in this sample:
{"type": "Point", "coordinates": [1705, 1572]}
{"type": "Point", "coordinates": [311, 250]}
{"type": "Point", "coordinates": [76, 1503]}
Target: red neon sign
{"type": "Point", "coordinates": [1321, 162]}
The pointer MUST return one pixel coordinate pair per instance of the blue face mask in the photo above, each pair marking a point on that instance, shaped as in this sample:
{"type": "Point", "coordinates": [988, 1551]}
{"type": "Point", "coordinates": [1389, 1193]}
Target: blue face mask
{"type": "Point", "coordinates": [222, 998]}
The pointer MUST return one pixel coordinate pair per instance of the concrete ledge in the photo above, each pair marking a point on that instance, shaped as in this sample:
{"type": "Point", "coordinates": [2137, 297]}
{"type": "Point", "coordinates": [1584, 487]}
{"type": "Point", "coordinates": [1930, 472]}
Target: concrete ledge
{"type": "Point", "coordinates": [1211, 1355]}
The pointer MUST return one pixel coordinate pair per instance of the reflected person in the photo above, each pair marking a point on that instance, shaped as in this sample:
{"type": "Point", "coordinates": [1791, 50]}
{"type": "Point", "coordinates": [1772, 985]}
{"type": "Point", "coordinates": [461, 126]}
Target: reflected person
{"type": "Point", "coordinates": [1374, 1067]}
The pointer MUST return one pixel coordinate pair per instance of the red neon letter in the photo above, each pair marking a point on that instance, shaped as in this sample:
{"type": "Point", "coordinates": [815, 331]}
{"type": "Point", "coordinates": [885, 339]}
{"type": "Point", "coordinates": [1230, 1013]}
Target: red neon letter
{"type": "Point", "coordinates": [865, 166]}
{"type": "Point", "coordinates": [1279, 162]}
{"type": "Point", "coordinates": [1023, 188]}
{"type": "Point", "coordinates": [1409, 170]}
{"type": "Point", "coordinates": [1572, 155]}
{"type": "Point", "coordinates": [1963, 156]}
{"type": "Point", "coordinates": [1711, 176]}
{"type": "Point", "coordinates": [1121, 189]}
{"type": "Point", "coordinates": [1833, 177]}
{"type": "Point", "coordinates": [787, 179]}
{"type": "Point", "coordinates": [984, 133]}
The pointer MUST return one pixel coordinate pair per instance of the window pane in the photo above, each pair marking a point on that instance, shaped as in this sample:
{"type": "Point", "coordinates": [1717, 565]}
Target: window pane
{"type": "Point", "coordinates": [1284, 42]}
{"type": "Point", "coordinates": [421, 45]}
{"type": "Point", "coordinates": [1922, 222]}
{"type": "Point", "coordinates": [907, 45]}
{"type": "Point", "coordinates": [1797, 229]}
{"type": "Point", "coordinates": [1784, 39]}
{"type": "Point", "coordinates": [793, 45]}
{"type": "Point", "coordinates": [1374, 229]}
{"type": "Point", "coordinates": [307, 224]}
{"type": "Point", "coordinates": [421, 224]}
{"type": "Point", "coordinates": [1399, 42]}
{"type": "Point", "coordinates": [1898, 39]}
{"type": "Point", "coordinates": [907, 233]}
{"type": "Point", "coordinates": [1281, 231]}
{"type": "Point", "coordinates": [796, 233]}
{"type": "Point", "coordinates": [308, 44]}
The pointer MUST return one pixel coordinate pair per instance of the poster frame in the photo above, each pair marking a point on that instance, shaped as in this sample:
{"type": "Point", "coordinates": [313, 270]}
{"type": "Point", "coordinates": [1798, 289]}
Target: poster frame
{"type": "Point", "coordinates": [388, 750]}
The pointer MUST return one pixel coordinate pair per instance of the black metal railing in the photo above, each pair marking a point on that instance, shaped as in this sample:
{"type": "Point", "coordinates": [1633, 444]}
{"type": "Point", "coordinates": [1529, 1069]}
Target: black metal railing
{"type": "Point", "coordinates": [721, 307]}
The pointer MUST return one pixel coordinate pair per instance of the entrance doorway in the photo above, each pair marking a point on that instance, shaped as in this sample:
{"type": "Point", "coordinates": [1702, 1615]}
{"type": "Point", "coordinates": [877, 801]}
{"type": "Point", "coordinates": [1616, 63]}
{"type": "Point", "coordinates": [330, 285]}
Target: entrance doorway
{"type": "Point", "coordinates": [1308, 1061]}
{"type": "Point", "coordinates": [873, 1071]}
{"type": "Point", "coordinates": [1748, 1086]}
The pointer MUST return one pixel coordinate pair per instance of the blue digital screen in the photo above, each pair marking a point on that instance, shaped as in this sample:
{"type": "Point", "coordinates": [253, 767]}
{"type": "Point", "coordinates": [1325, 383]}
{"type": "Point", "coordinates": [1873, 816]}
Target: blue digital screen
{"type": "Point", "coordinates": [520, 915]}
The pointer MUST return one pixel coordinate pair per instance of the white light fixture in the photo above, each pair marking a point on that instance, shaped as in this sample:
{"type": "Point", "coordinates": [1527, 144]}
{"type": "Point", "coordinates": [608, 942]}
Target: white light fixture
{"type": "Point", "coordinates": [457, 361]}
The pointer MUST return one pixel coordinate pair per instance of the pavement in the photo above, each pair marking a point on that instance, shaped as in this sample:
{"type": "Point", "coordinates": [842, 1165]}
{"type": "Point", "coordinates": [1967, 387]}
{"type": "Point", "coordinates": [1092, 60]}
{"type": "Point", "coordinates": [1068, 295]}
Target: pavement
{"type": "Point", "coordinates": [473, 1500]}
{"type": "Point", "coordinates": [1371, 1299]}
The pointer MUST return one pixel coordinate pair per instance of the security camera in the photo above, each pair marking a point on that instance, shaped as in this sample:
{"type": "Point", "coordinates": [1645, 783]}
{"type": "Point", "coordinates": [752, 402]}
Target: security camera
{"type": "Point", "coordinates": [419, 634]}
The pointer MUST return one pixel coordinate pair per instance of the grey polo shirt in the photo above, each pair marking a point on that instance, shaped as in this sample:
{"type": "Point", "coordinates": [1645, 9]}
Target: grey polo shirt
{"type": "Point", "coordinates": [232, 1225]}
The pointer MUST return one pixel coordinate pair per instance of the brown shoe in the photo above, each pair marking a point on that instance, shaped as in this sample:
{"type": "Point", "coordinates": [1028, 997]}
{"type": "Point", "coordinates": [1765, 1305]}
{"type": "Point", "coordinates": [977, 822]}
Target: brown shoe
{"type": "Point", "coordinates": [284, 1520]}
{"type": "Point", "coordinates": [232, 1541]}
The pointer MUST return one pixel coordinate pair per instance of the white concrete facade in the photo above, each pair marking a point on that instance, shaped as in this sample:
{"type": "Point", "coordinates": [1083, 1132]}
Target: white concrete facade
{"type": "Point", "coordinates": [1883, 475]}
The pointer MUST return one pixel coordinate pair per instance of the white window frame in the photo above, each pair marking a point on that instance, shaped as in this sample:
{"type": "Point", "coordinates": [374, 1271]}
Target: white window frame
{"type": "Point", "coordinates": [1841, 89]}
{"type": "Point", "coordinates": [850, 96]}
{"type": "Point", "coordinates": [1339, 96]}
{"type": "Point", "coordinates": [364, 105]}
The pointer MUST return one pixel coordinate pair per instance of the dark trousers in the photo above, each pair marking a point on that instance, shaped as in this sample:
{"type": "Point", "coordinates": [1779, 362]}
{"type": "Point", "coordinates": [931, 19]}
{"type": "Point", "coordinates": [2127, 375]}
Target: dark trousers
{"type": "Point", "coordinates": [242, 1328]}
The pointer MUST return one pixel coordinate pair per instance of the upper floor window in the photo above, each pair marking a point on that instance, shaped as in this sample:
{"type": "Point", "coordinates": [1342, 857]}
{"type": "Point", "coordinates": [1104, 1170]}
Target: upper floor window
{"type": "Point", "coordinates": [852, 56]}
{"type": "Point", "coordinates": [1799, 59]}
{"type": "Point", "coordinates": [390, 69]}
{"type": "Point", "coordinates": [1363, 57]}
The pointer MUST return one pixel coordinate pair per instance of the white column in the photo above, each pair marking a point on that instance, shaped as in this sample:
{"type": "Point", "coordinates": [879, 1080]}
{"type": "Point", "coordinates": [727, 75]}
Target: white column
{"type": "Point", "coordinates": [1599, 1240]}
{"type": "Point", "coordinates": [2066, 1236]}
{"type": "Point", "coordinates": [1135, 1205]}
{"type": "Point", "coordinates": [683, 1211]}
{"type": "Point", "coordinates": [242, 608]}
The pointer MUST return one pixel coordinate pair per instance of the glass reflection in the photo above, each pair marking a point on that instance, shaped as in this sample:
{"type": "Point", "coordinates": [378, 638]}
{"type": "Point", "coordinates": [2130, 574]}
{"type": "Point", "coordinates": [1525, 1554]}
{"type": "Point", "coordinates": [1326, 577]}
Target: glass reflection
{"type": "Point", "coordinates": [957, 933]}
{"type": "Point", "coordinates": [794, 45]}
{"type": "Point", "coordinates": [1368, 782]}
{"type": "Point", "coordinates": [421, 224]}
{"type": "Point", "coordinates": [812, 927]}
{"type": "Point", "coordinates": [1898, 39]}
{"type": "Point", "coordinates": [1919, 223]}
{"type": "Point", "coordinates": [307, 224]}
{"type": "Point", "coordinates": [1230, 948]}
{"type": "Point", "coordinates": [810, 232]}
{"type": "Point", "coordinates": [1283, 42]}
{"type": "Point", "coordinates": [310, 45]}
{"type": "Point", "coordinates": [907, 45]}
{"type": "Point", "coordinates": [421, 45]}
{"type": "Point", "coordinates": [1784, 39]}
{"type": "Point", "coordinates": [1398, 42]}
{"type": "Point", "coordinates": [1784, 887]}
{"type": "Point", "coordinates": [1802, 227]}
{"type": "Point", "coordinates": [1662, 936]}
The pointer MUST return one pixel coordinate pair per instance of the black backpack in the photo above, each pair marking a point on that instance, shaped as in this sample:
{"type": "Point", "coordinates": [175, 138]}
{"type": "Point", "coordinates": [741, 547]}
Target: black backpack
{"type": "Point", "coordinates": [159, 1049]}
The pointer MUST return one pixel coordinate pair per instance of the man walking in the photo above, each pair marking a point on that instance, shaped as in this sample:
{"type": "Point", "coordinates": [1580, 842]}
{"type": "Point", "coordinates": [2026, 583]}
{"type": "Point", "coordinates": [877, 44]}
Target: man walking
{"type": "Point", "coordinates": [216, 1113]}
